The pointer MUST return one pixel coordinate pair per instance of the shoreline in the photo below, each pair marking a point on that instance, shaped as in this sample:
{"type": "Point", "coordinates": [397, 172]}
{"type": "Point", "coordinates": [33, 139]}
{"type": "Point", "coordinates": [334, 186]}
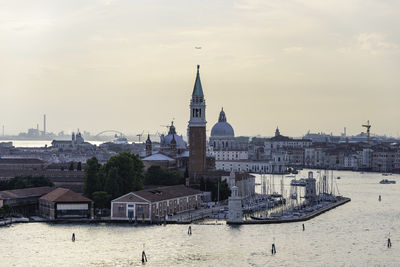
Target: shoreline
{"type": "Point", "coordinates": [307, 217]}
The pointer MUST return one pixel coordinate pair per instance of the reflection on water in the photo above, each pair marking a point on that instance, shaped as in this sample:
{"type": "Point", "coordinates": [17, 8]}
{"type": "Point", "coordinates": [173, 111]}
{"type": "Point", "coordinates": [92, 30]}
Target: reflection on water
{"type": "Point", "coordinates": [354, 234]}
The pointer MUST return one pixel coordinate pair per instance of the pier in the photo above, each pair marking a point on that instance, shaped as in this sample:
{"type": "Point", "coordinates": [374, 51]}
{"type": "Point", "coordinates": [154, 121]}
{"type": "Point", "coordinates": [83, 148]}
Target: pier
{"type": "Point", "coordinates": [305, 217]}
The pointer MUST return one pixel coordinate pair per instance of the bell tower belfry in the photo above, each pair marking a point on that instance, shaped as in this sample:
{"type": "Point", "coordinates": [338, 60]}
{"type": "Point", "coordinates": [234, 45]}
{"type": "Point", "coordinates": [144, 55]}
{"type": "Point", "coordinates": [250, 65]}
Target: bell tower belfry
{"type": "Point", "coordinates": [197, 130]}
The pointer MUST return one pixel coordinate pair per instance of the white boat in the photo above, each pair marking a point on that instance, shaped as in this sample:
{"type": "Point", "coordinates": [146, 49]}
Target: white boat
{"type": "Point", "coordinates": [301, 182]}
{"type": "Point", "coordinates": [386, 181]}
{"type": "Point", "coordinates": [120, 140]}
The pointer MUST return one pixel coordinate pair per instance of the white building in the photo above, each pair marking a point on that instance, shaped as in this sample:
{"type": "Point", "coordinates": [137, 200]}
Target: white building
{"type": "Point", "coordinates": [224, 145]}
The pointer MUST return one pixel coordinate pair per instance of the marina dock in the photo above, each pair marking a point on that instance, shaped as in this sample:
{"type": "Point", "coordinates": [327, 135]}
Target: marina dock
{"type": "Point", "coordinates": [305, 217]}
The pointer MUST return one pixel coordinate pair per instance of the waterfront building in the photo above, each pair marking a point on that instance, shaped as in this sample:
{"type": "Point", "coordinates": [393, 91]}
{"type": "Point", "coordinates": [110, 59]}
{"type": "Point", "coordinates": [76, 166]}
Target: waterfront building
{"type": "Point", "coordinates": [76, 142]}
{"type": "Point", "coordinates": [397, 160]}
{"type": "Point", "coordinates": [271, 167]}
{"type": "Point", "coordinates": [197, 130]}
{"type": "Point", "coordinates": [279, 142]}
{"type": "Point", "coordinates": [383, 159]}
{"type": "Point", "coordinates": [24, 201]}
{"type": "Point", "coordinates": [155, 203]}
{"type": "Point", "coordinates": [63, 203]}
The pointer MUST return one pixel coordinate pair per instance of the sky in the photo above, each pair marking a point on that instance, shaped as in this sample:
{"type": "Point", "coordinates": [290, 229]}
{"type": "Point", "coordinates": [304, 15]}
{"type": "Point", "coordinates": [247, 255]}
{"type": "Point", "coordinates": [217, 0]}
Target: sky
{"type": "Point", "coordinates": [130, 65]}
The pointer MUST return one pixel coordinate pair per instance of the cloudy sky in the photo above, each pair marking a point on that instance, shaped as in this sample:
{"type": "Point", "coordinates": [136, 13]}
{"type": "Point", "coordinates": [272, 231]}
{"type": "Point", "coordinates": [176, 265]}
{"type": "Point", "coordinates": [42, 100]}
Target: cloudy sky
{"type": "Point", "coordinates": [130, 65]}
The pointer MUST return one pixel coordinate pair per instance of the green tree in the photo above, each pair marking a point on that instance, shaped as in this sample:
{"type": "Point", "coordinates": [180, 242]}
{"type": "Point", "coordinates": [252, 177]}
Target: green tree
{"type": "Point", "coordinates": [101, 199]}
{"type": "Point", "coordinates": [129, 175]}
{"type": "Point", "coordinates": [112, 183]}
{"type": "Point", "coordinates": [156, 175]}
{"type": "Point", "coordinates": [91, 177]}
{"type": "Point", "coordinates": [71, 166]}
{"type": "Point", "coordinates": [212, 186]}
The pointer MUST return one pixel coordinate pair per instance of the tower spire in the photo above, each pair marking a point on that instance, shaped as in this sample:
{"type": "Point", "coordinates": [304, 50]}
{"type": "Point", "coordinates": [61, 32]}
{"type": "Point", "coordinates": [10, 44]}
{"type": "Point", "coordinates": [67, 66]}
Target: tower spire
{"type": "Point", "coordinates": [198, 89]}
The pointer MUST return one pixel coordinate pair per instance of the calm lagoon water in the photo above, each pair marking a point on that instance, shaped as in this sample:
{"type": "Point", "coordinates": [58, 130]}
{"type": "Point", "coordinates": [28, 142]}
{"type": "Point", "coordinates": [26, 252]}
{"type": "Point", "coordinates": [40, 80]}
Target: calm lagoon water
{"type": "Point", "coordinates": [354, 234]}
{"type": "Point", "coordinates": [39, 143]}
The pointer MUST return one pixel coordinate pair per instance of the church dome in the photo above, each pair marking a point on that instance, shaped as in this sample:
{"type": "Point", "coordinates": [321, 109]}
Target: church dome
{"type": "Point", "coordinates": [173, 138]}
{"type": "Point", "coordinates": [222, 128]}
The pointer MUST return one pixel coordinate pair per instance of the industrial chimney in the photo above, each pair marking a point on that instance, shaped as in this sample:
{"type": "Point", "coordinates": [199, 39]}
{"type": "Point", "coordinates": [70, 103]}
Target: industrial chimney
{"type": "Point", "coordinates": [44, 125]}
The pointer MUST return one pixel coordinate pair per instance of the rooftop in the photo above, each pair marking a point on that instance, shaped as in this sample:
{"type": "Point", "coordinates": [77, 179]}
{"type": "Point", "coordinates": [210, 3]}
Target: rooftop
{"type": "Point", "coordinates": [164, 193]}
{"type": "Point", "coordinates": [64, 195]}
{"type": "Point", "coordinates": [26, 192]}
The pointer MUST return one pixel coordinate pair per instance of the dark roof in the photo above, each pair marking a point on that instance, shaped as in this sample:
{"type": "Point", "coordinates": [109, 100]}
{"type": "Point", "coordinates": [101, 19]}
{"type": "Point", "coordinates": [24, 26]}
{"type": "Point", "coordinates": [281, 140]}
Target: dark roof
{"type": "Point", "coordinates": [64, 195]}
{"type": "Point", "coordinates": [166, 192]}
{"type": "Point", "coordinates": [20, 161]}
{"type": "Point", "coordinates": [26, 192]}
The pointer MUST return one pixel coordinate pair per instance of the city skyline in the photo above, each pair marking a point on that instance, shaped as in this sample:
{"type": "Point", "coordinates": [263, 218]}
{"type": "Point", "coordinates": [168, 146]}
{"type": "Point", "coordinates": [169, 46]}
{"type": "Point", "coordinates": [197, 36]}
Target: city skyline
{"type": "Point", "coordinates": [299, 65]}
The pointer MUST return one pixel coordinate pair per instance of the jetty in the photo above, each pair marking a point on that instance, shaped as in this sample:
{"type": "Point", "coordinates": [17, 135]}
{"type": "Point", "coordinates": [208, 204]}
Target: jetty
{"type": "Point", "coordinates": [303, 217]}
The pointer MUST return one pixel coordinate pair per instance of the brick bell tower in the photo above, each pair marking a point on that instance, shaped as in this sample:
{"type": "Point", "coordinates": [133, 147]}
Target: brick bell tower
{"type": "Point", "coordinates": [197, 130]}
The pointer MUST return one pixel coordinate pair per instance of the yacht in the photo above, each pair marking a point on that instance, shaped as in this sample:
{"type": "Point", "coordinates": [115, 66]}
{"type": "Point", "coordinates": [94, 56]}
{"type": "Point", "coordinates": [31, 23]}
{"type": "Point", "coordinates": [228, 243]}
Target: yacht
{"type": "Point", "coordinates": [386, 181]}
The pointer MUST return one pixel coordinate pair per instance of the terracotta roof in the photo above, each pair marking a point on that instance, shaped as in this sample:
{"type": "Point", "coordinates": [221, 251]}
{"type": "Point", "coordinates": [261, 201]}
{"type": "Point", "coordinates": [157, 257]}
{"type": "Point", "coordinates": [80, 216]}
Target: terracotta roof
{"type": "Point", "coordinates": [166, 192]}
{"type": "Point", "coordinates": [64, 195]}
{"type": "Point", "coordinates": [26, 192]}
{"type": "Point", "coordinates": [130, 197]}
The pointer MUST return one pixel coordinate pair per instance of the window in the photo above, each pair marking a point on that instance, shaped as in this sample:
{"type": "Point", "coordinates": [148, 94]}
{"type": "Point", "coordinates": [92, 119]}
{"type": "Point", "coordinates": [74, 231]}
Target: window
{"type": "Point", "coordinates": [121, 208]}
{"type": "Point", "coordinates": [130, 206]}
{"type": "Point", "coordinates": [140, 210]}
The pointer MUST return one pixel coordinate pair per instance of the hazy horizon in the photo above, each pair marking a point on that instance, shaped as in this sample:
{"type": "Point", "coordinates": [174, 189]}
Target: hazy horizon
{"type": "Point", "coordinates": [130, 66]}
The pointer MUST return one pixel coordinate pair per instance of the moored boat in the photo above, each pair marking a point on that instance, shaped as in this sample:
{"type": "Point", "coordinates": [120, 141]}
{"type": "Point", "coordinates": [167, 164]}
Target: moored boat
{"type": "Point", "coordinates": [386, 181]}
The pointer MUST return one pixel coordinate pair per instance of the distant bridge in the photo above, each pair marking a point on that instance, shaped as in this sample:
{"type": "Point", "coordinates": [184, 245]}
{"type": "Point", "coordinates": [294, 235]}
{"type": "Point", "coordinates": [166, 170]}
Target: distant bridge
{"type": "Point", "coordinates": [110, 131]}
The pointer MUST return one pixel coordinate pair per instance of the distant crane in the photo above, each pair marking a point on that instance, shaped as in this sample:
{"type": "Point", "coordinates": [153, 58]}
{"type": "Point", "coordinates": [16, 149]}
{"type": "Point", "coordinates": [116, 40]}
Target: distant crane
{"type": "Point", "coordinates": [140, 135]}
{"type": "Point", "coordinates": [368, 126]}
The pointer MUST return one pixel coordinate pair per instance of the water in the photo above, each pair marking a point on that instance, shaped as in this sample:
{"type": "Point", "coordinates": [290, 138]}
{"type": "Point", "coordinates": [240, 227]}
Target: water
{"type": "Point", "coordinates": [354, 234]}
{"type": "Point", "coordinates": [39, 143]}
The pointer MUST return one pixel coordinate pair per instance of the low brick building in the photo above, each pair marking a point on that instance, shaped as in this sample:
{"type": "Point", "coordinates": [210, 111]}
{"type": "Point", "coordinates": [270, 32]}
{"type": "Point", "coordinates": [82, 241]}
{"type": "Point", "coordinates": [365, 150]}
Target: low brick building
{"type": "Point", "coordinates": [63, 203]}
{"type": "Point", "coordinates": [151, 204]}
{"type": "Point", "coordinates": [24, 201]}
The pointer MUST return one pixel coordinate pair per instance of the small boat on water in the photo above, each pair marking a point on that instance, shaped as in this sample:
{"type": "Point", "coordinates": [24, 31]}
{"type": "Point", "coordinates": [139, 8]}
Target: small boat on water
{"type": "Point", "coordinates": [260, 218]}
{"type": "Point", "coordinates": [386, 181]}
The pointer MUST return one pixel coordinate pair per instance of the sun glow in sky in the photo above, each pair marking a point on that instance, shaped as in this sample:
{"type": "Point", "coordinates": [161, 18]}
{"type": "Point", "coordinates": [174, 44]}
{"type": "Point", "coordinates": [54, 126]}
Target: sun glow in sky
{"type": "Point", "coordinates": [130, 65]}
